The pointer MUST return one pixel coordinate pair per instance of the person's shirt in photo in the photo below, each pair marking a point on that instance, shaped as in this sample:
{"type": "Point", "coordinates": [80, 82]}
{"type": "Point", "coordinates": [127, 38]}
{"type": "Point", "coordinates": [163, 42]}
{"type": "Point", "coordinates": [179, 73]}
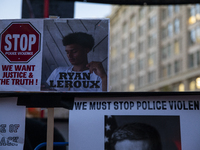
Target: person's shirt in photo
{"type": "Point", "coordinates": [65, 79]}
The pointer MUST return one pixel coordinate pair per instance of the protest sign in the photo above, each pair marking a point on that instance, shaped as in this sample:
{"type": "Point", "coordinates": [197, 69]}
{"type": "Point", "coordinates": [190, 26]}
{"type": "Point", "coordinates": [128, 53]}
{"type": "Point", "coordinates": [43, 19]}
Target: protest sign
{"type": "Point", "coordinates": [54, 54]}
{"type": "Point", "coordinates": [75, 55]}
{"type": "Point", "coordinates": [21, 54]}
{"type": "Point", "coordinates": [12, 124]}
{"type": "Point", "coordinates": [175, 120]}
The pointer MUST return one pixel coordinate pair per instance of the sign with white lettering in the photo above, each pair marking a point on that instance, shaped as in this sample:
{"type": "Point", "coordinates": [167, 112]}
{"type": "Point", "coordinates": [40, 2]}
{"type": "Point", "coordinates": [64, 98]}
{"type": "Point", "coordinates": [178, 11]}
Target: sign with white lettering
{"type": "Point", "coordinates": [20, 42]}
{"type": "Point", "coordinates": [156, 122]}
{"type": "Point", "coordinates": [12, 124]}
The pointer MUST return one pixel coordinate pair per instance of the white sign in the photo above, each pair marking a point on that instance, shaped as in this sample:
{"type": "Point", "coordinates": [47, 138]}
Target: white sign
{"type": "Point", "coordinates": [175, 120]}
{"type": "Point", "coordinates": [54, 55]}
{"type": "Point", "coordinates": [12, 124]}
{"type": "Point", "coordinates": [21, 54]}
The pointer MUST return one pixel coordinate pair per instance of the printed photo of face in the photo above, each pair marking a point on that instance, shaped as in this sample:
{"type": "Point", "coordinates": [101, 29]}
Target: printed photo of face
{"type": "Point", "coordinates": [76, 54]}
{"type": "Point", "coordinates": [132, 145]}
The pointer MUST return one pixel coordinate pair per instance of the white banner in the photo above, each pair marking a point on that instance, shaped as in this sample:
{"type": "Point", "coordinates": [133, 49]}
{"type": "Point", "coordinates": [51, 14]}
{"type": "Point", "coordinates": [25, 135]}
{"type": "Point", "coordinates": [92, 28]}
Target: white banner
{"type": "Point", "coordinates": [12, 124]}
{"type": "Point", "coordinates": [101, 124]}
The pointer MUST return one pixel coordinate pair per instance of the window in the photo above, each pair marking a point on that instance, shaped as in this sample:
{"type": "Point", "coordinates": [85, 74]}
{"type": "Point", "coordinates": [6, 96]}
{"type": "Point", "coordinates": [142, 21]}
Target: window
{"type": "Point", "coordinates": [151, 76]}
{"type": "Point", "coordinates": [131, 87]}
{"type": "Point", "coordinates": [194, 14]}
{"type": "Point", "coordinates": [132, 68]}
{"type": "Point", "coordinates": [177, 26]}
{"type": "Point", "coordinates": [113, 64]}
{"type": "Point", "coordinates": [170, 10]}
{"type": "Point", "coordinates": [132, 37]}
{"type": "Point", "coordinates": [192, 86]}
{"type": "Point", "coordinates": [113, 52]}
{"type": "Point", "coordinates": [141, 81]}
{"type": "Point", "coordinates": [164, 52]}
{"type": "Point", "coordinates": [198, 34]}
{"type": "Point", "coordinates": [197, 8]}
{"type": "Point", "coordinates": [170, 29]}
{"type": "Point", "coordinates": [176, 48]}
{"type": "Point", "coordinates": [164, 32]}
{"type": "Point", "coordinates": [152, 59]}
{"type": "Point", "coordinates": [152, 22]}
{"type": "Point", "coordinates": [195, 35]}
{"type": "Point", "coordinates": [132, 53]}
{"type": "Point", "coordinates": [114, 79]}
{"type": "Point", "coordinates": [191, 60]}
{"type": "Point", "coordinates": [141, 64]}
{"type": "Point", "coordinates": [124, 12]}
{"type": "Point", "coordinates": [198, 83]}
{"type": "Point", "coordinates": [163, 71]}
{"type": "Point", "coordinates": [124, 73]}
{"type": "Point", "coordinates": [124, 87]}
{"type": "Point", "coordinates": [198, 58]}
{"type": "Point", "coordinates": [177, 66]}
{"type": "Point", "coordinates": [192, 18]}
{"type": "Point", "coordinates": [175, 87]}
{"type": "Point", "coordinates": [118, 47]}
{"type": "Point", "coordinates": [192, 11]}
{"type": "Point", "coordinates": [141, 30]}
{"type": "Point", "coordinates": [124, 42]}
{"type": "Point", "coordinates": [125, 28]}
{"type": "Point", "coordinates": [192, 36]}
{"type": "Point", "coordinates": [124, 58]}
{"type": "Point", "coordinates": [152, 40]}
{"type": "Point", "coordinates": [166, 88]}
{"type": "Point", "coordinates": [169, 69]}
{"type": "Point", "coordinates": [152, 8]}
{"type": "Point", "coordinates": [181, 87]}
{"type": "Point", "coordinates": [142, 12]}
{"type": "Point", "coordinates": [164, 13]}
{"type": "Point", "coordinates": [133, 21]}
{"type": "Point", "coordinates": [141, 47]}
{"type": "Point", "coordinates": [118, 36]}
{"type": "Point", "coordinates": [167, 51]}
{"type": "Point", "coordinates": [176, 8]}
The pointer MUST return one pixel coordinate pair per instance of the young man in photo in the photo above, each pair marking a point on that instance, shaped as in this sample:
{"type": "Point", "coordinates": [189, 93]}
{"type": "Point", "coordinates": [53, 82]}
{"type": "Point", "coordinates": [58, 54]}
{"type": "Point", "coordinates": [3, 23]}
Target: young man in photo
{"type": "Point", "coordinates": [81, 75]}
{"type": "Point", "coordinates": [136, 136]}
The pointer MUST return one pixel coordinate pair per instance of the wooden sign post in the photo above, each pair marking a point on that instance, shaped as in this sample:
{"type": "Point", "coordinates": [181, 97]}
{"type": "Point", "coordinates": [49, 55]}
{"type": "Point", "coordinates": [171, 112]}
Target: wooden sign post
{"type": "Point", "coordinates": [50, 128]}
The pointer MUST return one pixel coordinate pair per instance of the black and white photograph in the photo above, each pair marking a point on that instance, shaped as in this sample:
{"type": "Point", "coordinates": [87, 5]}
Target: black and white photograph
{"type": "Point", "coordinates": [75, 55]}
{"type": "Point", "coordinates": [142, 132]}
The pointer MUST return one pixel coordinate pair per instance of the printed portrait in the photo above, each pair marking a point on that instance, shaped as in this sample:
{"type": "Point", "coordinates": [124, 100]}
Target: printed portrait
{"type": "Point", "coordinates": [75, 55]}
{"type": "Point", "coordinates": [142, 133]}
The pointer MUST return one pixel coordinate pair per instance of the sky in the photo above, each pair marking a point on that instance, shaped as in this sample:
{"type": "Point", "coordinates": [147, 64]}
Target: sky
{"type": "Point", "coordinates": [11, 9]}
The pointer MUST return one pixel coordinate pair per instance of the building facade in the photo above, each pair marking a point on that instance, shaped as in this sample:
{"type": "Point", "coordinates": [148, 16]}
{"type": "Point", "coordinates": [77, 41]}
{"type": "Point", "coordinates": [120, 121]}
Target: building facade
{"type": "Point", "coordinates": [155, 48]}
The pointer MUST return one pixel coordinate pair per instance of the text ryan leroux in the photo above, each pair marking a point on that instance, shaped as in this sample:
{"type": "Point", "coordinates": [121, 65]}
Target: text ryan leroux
{"type": "Point", "coordinates": [77, 84]}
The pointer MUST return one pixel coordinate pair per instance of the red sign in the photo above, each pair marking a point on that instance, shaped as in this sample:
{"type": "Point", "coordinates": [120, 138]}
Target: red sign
{"type": "Point", "coordinates": [20, 42]}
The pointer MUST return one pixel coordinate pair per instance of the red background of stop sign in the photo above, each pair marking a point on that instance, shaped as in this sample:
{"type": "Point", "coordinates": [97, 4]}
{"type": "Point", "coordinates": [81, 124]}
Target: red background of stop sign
{"type": "Point", "coordinates": [20, 28]}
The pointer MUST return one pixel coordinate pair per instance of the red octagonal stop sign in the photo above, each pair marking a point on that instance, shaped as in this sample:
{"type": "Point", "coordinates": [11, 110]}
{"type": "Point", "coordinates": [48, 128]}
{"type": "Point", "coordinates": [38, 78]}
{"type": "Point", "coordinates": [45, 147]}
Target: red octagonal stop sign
{"type": "Point", "coordinates": [20, 42]}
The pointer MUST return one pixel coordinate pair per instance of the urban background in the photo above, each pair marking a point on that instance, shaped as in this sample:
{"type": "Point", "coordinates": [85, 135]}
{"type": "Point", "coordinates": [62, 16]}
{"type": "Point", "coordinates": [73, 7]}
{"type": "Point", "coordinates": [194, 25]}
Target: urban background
{"type": "Point", "coordinates": [152, 48]}
{"type": "Point", "coordinates": [155, 48]}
